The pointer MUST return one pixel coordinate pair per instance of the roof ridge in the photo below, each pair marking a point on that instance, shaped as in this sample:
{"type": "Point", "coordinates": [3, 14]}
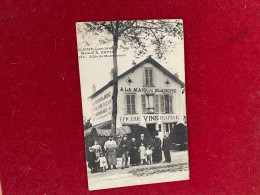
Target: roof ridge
{"type": "Point", "coordinates": [148, 59]}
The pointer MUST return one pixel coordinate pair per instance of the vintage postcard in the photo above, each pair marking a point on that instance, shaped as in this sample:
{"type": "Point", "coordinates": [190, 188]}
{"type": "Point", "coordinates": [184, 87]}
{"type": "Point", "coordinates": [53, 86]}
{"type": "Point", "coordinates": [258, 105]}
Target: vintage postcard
{"type": "Point", "coordinates": [133, 97]}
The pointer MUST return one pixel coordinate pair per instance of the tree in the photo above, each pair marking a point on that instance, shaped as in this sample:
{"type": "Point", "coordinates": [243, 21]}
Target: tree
{"type": "Point", "coordinates": [140, 35]}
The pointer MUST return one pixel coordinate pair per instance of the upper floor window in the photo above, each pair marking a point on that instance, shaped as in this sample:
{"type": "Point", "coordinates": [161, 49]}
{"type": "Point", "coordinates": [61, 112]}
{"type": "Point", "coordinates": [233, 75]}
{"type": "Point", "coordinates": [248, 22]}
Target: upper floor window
{"type": "Point", "coordinates": [130, 104]}
{"type": "Point", "coordinates": [154, 103]}
{"type": "Point", "coordinates": [166, 103]}
{"type": "Point", "coordinates": [150, 103]}
{"type": "Point", "coordinates": [148, 77]}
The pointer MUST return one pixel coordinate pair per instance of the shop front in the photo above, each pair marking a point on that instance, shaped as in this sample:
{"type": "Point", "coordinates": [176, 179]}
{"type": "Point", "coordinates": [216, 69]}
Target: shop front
{"type": "Point", "coordinates": [149, 96]}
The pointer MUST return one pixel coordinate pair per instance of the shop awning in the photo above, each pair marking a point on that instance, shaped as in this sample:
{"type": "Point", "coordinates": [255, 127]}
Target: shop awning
{"type": "Point", "coordinates": [123, 130]}
{"type": "Point", "coordinates": [108, 132]}
{"type": "Point", "coordinates": [88, 131]}
{"type": "Point", "coordinates": [104, 132]}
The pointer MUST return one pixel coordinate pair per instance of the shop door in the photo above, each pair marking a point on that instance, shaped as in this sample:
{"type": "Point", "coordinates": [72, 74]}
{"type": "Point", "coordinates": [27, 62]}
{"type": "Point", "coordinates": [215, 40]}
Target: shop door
{"type": "Point", "coordinates": [168, 127]}
{"type": "Point", "coordinates": [151, 128]}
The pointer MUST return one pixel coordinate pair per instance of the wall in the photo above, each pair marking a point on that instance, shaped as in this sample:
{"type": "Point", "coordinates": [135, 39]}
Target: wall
{"type": "Point", "coordinates": [137, 88]}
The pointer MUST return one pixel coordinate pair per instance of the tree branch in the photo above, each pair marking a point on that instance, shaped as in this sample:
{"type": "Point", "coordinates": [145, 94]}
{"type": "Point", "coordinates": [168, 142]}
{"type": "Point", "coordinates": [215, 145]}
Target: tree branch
{"type": "Point", "coordinates": [112, 27]}
{"type": "Point", "coordinates": [107, 27]}
{"type": "Point", "coordinates": [126, 28]}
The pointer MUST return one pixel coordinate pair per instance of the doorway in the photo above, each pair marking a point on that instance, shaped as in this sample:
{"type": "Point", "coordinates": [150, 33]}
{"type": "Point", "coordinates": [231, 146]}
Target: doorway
{"type": "Point", "coordinates": [151, 128]}
{"type": "Point", "coordinates": [168, 127]}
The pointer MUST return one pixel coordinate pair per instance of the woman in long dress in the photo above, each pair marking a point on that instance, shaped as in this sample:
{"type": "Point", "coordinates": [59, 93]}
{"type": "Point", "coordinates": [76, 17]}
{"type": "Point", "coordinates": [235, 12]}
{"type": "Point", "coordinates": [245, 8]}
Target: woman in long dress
{"type": "Point", "coordinates": [133, 153]}
{"type": "Point", "coordinates": [157, 151]}
{"type": "Point", "coordinates": [97, 149]}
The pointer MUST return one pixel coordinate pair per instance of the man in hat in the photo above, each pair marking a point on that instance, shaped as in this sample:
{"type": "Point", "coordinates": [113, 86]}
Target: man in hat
{"type": "Point", "coordinates": [124, 146]}
{"type": "Point", "coordinates": [157, 151]}
{"type": "Point", "coordinates": [141, 140]}
{"type": "Point", "coordinates": [166, 148]}
{"type": "Point", "coordinates": [133, 152]}
{"type": "Point", "coordinates": [110, 147]}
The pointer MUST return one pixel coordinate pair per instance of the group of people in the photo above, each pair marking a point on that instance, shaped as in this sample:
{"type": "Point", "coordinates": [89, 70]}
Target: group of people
{"type": "Point", "coordinates": [141, 151]}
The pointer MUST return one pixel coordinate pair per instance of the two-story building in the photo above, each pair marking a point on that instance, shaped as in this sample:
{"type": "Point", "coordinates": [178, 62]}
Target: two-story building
{"type": "Point", "coordinates": [148, 95]}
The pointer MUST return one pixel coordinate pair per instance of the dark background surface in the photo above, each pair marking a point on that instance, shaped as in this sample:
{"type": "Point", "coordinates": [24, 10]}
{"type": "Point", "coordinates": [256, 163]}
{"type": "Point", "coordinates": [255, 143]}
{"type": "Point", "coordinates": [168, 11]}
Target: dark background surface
{"type": "Point", "coordinates": [42, 142]}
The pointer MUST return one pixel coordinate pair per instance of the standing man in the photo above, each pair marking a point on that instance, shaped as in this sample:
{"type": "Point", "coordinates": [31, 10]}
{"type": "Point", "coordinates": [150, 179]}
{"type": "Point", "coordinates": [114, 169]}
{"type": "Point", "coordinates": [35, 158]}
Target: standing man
{"type": "Point", "coordinates": [124, 146]}
{"type": "Point", "coordinates": [134, 154]}
{"type": "Point", "coordinates": [166, 148]}
{"type": "Point", "coordinates": [110, 147]}
{"type": "Point", "coordinates": [157, 151]}
{"type": "Point", "coordinates": [143, 140]}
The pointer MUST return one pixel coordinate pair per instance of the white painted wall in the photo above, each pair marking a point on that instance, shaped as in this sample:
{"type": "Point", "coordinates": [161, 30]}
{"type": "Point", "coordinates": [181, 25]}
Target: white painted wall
{"type": "Point", "coordinates": [159, 79]}
{"type": "Point", "coordinates": [139, 118]}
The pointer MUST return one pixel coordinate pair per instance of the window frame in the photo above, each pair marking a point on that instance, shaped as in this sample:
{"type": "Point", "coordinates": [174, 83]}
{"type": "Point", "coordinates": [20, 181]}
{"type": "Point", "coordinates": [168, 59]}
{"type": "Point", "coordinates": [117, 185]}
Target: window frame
{"type": "Point", "coordinates": [147, 110]}
{"type": "Point", "coordinates": [130, 101]}
{"type": "Point", "coordinates": [167, 109]}
{"type": "Point", "coordinates": [149, 77]}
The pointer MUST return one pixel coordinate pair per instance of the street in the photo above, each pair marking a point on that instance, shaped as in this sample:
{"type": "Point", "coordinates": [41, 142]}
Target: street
{"type": "Point", "coordinates": [177, 170]}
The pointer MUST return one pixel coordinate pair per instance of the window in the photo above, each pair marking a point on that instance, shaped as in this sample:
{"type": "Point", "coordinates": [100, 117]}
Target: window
{"type": "Point", "coordinates": [166, 103]}
{"type": "Point", "coordinates": [148, 77]}
{"type": "Point", "coordinates": [168, 127]}
{"type": "Point", "coordinates": [150, 103]}
{"type": "Point", "coordinates": [130, 104]}
{"type": "Point", "coordinates": [160, 127]}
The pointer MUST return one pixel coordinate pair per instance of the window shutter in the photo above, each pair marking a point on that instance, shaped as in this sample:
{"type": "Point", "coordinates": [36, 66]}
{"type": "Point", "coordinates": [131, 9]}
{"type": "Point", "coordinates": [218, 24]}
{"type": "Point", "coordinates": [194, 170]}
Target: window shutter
{"type": "Point", "coordinates": [170, 104]}
{"type": "Point", "coordinates": [133, 103]}
{"type": "Point", "coordinates": [175, 103]}
{"type": "Point", "coordinates": [125, 104]}
{"type": "Point", "coordinates": [128, 104]}
{"type": "Point", "coordinates": [143, 104]}
{"type": "Point", "coordinates": [162, 103]}
{"type": "Point", "coordinates": [156, 99]}
{"type": "Point", "coordinates": [146, 77]}
{"type": "Point", "coordinates": [150, 77]}
{"type": "Point", "coordinates": [166, 103]}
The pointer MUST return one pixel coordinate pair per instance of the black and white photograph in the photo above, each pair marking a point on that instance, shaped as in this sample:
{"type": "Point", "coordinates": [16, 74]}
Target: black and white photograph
{"type": "Point", "coordinates": [132, 77]}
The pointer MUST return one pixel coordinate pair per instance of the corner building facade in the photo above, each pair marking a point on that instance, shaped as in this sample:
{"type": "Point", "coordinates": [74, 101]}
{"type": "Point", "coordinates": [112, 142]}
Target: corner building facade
{"type": "Point", "coordinates": [148, 95]}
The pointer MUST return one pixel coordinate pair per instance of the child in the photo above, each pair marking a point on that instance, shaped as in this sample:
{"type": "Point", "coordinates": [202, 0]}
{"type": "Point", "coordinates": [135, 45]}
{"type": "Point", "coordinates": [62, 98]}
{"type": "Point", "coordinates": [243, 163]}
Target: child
{"type": "Point", "coordinates": [148, 154]}
{"type": "Point", "coordinates": [91, 157]}
{"type": "Point", "coordinates": [103, 162]}
{"type": "Point", "coordinates": [142, 153]}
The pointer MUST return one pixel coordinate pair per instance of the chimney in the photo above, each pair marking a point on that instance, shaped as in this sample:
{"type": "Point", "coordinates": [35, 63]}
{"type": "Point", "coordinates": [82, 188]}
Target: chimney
{"type": "Point", "coordinates": [112, 73]}
{"type": "Point", "coordinates": [94, 89]}
{"type": "Point", "coordinates": [134, 63]}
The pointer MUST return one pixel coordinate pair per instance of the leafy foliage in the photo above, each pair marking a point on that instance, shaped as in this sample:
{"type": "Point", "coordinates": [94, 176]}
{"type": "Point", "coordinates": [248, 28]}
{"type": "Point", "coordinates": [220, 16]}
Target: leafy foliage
{"type": "Point", "coordinates": [138, 34]}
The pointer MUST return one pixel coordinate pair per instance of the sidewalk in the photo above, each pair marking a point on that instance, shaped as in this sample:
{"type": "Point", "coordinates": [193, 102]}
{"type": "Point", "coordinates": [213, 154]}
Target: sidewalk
{"type": "Point", "coordinates": [122, 177]}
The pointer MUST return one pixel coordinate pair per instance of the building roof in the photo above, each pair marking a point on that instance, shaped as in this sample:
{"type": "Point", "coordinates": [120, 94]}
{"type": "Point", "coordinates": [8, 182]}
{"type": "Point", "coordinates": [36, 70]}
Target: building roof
{"type": "Point", "coordinates": [150, 60]}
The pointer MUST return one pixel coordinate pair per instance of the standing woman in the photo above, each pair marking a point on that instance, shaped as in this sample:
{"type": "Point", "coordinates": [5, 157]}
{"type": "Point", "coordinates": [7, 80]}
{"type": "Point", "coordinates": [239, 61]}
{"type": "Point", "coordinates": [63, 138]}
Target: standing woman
{"type": "Point", "coordinates": [110, 147]}
{"type": "Point", "coordinates": [97, 149]}
{"type": "Point", "coordinates": [134, 154]}
{"type": "Point", "coordinates": [157, 152]}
